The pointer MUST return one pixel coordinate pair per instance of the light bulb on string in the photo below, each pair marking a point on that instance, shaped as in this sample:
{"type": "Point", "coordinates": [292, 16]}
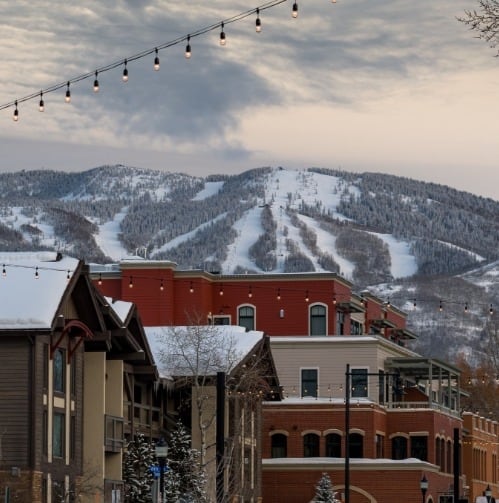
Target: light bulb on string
{"type": "Point", "coordinates": [414, 304]}
{"type": "Point", "coordinates": [223, 40]}
{"type": "Point", "coordinates": [67, 98]}
{"type": "Point", "coordinates": [96, 82]}
{"type": "Point", "coordinates": [221, 291]}
{"type": "Point", "coordinates": [100, 279]}
{"type": "Point", "coordinates": [441, 306]}
{"type": "Point", "coordinates": [294, 12]}
{"type": "Point", "coordinates": [41, 105]}
{"type": "Point", "coordinates": [156, 60]}
{"type": "Point", "coordinates": [307, 298]}
{"type": "Point", "coordinates": [162, 286]}
{"type": "Point", "coordinates": [37, 275]}
{"type": "Point", "coordinates": [15, 116]}
{"type": "Point", "coordinates": [466, 307]}
{"type": "Point", "coordinates": [333, 1]}
{"type": "Point", "coordinates": [250, 293]}
{"type": "Point", "coordinates": [188, 52]}
{"type": "Point", "coordinates": [491, 310]}
{"type": "Point", "coordinates": [68, 275]}
{"type": "Point", "coordinates": [191, 288]}
{"type": "Point", "coordinates": [4, 272]}
{"type": "Point", "coordinates": [125, 72]}
{"type": "Point", "coordinates": [278, 294]}
{"type": "Point", "coordinates": [130, 283]}
{"type": "Point", "coordinates": [258, 22]}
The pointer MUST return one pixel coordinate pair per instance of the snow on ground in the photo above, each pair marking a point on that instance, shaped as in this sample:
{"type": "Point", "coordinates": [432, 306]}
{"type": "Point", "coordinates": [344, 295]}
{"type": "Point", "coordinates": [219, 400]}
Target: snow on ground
{"type": "Point", "coordinates": [403, 262]}
{"type": "Point", "coordinates": [107, 237]}
{"type": "Point", "coordinates": [327, 242]}
{"type": "Point", "coordinates": [210, 189]}
{"type": "Point", "coordinates": [477, 257]}
{"type": "Point", "coordinates": [18, 219]}
{"type": "Point", "coordinates": [248, 228]}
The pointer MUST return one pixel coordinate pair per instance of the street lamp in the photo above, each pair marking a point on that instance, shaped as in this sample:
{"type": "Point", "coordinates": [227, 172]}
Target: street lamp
{"type": "Point", "coordinates": [423, 484]}
{"type": "Point", "coordinates": [161, 453]}
{"type": "Point", "coordinates": [488, 493]}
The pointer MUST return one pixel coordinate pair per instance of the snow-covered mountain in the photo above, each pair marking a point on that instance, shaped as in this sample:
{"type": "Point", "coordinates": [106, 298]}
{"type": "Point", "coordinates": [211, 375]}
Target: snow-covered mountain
{"type": "Point", "coordinates": [409, 241]}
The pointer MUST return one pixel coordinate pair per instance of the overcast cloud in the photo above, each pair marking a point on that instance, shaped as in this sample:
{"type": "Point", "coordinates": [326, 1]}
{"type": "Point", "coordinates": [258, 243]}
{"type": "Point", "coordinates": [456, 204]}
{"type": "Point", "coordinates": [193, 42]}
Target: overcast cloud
{"type": "Point", "coordinates": [394, 86]}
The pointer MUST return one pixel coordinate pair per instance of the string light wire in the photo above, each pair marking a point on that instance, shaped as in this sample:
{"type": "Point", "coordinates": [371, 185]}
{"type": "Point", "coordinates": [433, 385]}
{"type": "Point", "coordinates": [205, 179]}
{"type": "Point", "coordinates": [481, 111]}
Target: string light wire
{"type": "Point", "coordinates": [111, 66]}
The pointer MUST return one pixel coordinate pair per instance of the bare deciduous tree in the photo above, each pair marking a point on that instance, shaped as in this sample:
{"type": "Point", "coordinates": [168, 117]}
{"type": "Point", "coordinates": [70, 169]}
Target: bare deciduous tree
{"type": "Point", "coordinates": [484, 21]}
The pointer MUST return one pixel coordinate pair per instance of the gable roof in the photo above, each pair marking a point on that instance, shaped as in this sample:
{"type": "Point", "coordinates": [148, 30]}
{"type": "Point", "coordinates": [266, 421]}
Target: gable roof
{"type": "Point", "coordinates": [32, 287]}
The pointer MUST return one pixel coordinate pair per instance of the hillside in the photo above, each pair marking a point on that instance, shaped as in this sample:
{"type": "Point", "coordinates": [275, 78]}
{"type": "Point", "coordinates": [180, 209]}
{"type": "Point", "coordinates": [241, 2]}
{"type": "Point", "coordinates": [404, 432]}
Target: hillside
{"type": "Point", "coordinates": [409, 241]}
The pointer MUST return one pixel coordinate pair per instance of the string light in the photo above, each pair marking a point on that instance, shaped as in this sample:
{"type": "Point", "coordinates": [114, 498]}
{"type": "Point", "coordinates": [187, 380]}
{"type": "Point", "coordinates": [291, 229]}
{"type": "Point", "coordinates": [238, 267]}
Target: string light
{"type": "Point", "coordinates": [238, 17]}
{"type": "Point", "coordinates": [36, 273]}
{"type": "Point", "coordinates": [100, 279]}
{"type": "Point", "coordinates": [223, 40]}
{"type": "Point", "coordinates": [466, 308]}
{"type": "Point", "coordinates": [4, 272]}
{"type": "Point", "coordinates": [258, 22]}
{"type": "Point", "coordinates": [491, 310]}
{"type": "Point", "coordinates": [41, 105]}
{"type": "Point", "coordinates": [221, 291]}
{"type": "Point", "coordinates": [441, 306]}
{"type": "Point", "coordinates": [67, 98]}
{"type": "Point", "coordinates": [125, 72]}
{"type": "Point", "coordinates": [15, 116]}
{"type": "Point", "coordinates": [278, 294]}
{"type": "Point", "coordinates": [68, 276]}
{"type": "Point", "coordinates": [188, 51]}
{"type": "Point", "coordinates": [130, 283]}
{"type": "Point", "coordinates": [162, 286]}
{"type": "Point", "coordinates": [250, 292]}
{"type": "Point", "coordinates": [294, 12]}
{"type": "Point", "coordinates": [156, 60]}
{"type": "Point", "coordinates": [307, 298]}
{"type": "Point", "coordinates": [191, 288]}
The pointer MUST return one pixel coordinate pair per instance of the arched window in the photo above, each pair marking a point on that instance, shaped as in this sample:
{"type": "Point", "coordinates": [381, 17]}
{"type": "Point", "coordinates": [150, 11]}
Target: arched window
{"type": "Point", "coordinates": [399, 448]}
{"type": "Point", "coordinates": [246, 315]}
{"type": "Point", "coordinates": [318, 320]}
{"type": "Point", "coordinates": [311, 445]}
{"type": "Point", "coordinates": [279, 445]}
{"type": "Point", "coordinates": [333, 445]}
{"type": "Point", "coordinates": [356, 444]}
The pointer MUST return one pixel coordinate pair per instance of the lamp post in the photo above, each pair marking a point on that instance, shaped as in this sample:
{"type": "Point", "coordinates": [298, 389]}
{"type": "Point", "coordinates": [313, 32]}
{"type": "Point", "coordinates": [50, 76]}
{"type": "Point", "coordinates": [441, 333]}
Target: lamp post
{"type": "Point", "coordinates": [488, 493]}
{"type": "Point", "coordinates": [161, 453]}
{"type": "Point", "coordinates": [423, 484]}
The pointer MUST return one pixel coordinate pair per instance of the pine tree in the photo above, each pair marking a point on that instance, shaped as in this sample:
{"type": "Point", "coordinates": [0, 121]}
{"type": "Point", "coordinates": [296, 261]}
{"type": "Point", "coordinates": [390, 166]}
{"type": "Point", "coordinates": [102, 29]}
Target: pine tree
{"type": "Point", "coordinates": [184, 480]}
{"type": "Point", "coordinates": [324, 492]}
{"type": "Point", "coordinates": [138, 459]}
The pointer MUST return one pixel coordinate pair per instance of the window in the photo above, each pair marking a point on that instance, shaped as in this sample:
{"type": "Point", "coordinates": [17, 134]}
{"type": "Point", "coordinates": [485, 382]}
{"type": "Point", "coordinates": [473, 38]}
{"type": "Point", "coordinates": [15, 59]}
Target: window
{"type": "Point", "coordinates": [318, 321]}
{"type": "Point", "coordinates": [311, 445]}
{"type": "Point", "coordinates": [419, 448]}
{"type": "Point", "coordinates": [279, 445]}
{"type": "Point", "coordinates": [356, 445]}
{"type": "Point", "coordinates": [359, 383]}
{"type": "Point", "coordinates": [356, 328]}
{"type": "Point", "coordinates": [221, 320]}
{"type": "Point", "coordinates": [58, 366]}
{"type": "Point", "coordinates": [399, 448]}
{"type": "Point", "coordinates": [380, 446]}
{"type": "Point", "coordinates": [333, 445]}
{"type": "Point", "coordinates": [113, 434]}
{"type": "Point", "coordinates": [246, 317]}
{"type": "Point", "coordinates": [309, 382]}
{"type": "Point", "coordinates": [340, 323]}
{"type": "Point", "coordinates": [58, 435]}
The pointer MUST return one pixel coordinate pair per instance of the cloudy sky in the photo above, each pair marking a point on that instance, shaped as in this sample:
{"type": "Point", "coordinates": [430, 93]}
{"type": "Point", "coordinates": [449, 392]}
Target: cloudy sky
{"type": "Point", "coordinates": [392, 86]}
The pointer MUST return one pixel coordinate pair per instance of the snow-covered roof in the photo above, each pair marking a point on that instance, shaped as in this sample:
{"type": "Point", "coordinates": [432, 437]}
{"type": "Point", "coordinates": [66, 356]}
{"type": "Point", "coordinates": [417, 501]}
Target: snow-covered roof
{"type": "Point", "coordinates": [121, 308]}
{"type": "Point", "coordinates": [30, 297]}
{"type": "Point", "coordinates": [239, 340]}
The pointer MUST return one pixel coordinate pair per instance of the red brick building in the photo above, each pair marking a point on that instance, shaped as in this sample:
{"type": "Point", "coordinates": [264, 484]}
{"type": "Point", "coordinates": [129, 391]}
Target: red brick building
{"type": "Point", "coordinates": [403, 410]}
